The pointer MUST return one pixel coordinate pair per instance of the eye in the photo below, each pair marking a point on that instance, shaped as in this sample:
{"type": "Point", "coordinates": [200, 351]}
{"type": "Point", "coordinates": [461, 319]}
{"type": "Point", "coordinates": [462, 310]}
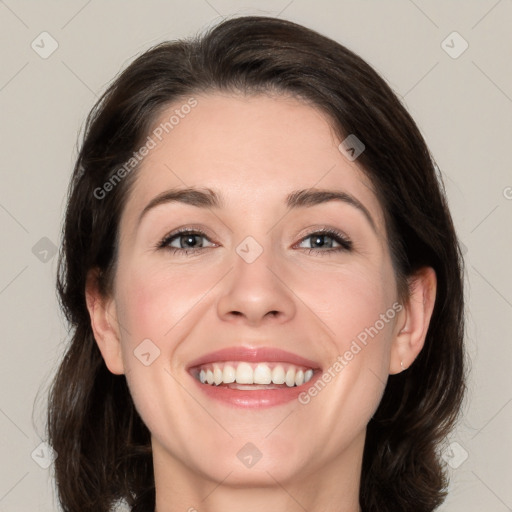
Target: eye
{"type": "Point", "coordinates": [325, 241]}
{"type": "Point", "coordinates": [186, 241]}
{"type": "Point", "coordinates": [189, 241]}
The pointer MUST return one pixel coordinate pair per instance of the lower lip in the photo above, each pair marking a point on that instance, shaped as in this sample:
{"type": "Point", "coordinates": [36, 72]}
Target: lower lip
{"type": "Point", "coordinates": [257, 399]}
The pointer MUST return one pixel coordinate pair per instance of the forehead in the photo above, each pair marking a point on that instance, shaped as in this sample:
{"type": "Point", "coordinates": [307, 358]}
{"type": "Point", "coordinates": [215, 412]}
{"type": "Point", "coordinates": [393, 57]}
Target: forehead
{"type": "Point", "coordinates": [253, 150]}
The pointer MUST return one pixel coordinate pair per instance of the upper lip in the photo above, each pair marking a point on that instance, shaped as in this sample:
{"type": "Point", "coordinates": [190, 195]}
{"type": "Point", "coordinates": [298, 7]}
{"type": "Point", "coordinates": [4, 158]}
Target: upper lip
{"type": "Point", "coordinates": [254, 354]}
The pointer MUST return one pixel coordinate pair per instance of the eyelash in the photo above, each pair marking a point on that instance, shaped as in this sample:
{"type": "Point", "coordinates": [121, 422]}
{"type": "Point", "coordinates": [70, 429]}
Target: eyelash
{"type": "Point", "coordinates": [344, 243]}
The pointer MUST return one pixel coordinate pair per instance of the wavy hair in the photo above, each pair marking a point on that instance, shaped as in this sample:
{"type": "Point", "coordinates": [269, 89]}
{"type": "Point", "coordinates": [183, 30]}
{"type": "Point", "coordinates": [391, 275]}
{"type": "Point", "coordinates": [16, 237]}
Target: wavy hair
{"type": "Point", "coordinates": [103, 446]}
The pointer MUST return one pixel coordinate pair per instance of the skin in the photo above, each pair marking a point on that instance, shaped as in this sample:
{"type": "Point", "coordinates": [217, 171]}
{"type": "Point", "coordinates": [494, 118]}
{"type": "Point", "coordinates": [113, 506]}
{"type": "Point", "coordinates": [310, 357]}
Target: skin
{"type": "Point", "coordinates": [255, 150]}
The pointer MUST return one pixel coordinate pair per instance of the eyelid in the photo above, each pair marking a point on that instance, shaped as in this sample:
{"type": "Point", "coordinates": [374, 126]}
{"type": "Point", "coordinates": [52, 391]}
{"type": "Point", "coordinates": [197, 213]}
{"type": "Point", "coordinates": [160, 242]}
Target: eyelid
{"type": "Point", "coordinates": [345, 243]}
{"type": "Point", "coordinates": [342, 238]}
{"type": "Point", "coordinates": [188, 229]}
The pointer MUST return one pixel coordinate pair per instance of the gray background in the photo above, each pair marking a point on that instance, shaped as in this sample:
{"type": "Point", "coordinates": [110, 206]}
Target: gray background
{"type": "Point", "coordinates": [462, 105]}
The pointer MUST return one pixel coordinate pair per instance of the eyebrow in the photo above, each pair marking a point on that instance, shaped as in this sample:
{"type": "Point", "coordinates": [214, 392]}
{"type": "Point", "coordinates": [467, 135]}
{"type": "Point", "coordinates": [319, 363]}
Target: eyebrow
{"type": "Point", "coordinates": [202, 198]}
{"type": "Point", "coordinates": [207, 198]}
{"type": "Point", "coordinates": [311, 197]}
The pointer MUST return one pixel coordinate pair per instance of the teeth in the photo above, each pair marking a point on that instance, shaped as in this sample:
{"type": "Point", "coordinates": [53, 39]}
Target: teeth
{"type": "Point", "coordinates": [217, 375]}
{"type": "Point", "coordinates": [262, 374]}
{"type": "Point", "coordinates": [278, 375]}
{"type": "Point", "coordinates": [229, 374]}
{"type": "Point", "coordinates": [290, 378]}
{"type": "Point", "coordinates": [257, 374]}
{"type": "Point", "coordinates": [244, 374]}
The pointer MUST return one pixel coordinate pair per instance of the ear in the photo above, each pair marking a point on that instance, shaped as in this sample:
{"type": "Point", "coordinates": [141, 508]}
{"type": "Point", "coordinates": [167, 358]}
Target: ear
{"type": "Point", "coordinates": [413, 322]}
{"type": "Point", "coordinates": [103, 313]}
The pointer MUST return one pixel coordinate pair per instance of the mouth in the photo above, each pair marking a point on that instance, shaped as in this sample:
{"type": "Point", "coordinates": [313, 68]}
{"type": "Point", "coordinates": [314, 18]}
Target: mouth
{"type": "Point", "coordinates": [253, 377]}
{"type": "Point", "coordinates": [244, 375]}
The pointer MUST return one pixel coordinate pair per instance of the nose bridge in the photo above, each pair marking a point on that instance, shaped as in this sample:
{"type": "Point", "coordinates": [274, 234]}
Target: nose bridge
{"type": "Point", "coordinates": [255, 292]}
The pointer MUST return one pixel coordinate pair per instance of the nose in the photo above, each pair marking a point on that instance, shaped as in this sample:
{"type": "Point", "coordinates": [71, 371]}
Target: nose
{"type": "Point", "coordinates": [256, 293]}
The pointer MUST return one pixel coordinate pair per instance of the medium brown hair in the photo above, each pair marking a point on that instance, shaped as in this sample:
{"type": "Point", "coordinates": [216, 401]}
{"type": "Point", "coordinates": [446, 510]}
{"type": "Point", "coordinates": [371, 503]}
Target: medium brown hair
{"type": "Point", "coordinates": [103, 446]}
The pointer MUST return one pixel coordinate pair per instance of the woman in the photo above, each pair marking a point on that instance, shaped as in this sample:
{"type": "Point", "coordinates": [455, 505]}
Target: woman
{"type": "Point", "coordinates": [264, 287]}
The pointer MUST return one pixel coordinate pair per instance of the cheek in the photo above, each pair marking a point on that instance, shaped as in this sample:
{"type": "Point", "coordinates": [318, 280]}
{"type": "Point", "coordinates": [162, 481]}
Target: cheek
{"type": "Point", "coordinates": [161, 306]}
{"type": "Point", "coordinates": [153, 301]}
{"type": "Point", "coordinates": [352, 301]}
{"type": "Point", "coordinates": [358, 307]}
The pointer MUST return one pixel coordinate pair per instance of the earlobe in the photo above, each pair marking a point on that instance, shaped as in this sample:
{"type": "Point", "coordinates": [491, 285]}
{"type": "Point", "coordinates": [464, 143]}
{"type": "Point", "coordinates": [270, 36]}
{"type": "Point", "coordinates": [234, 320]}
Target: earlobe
{"type": "Point", "coordinates": [412, 325]}
{"type": "Point", "coordinates": [103, 314]}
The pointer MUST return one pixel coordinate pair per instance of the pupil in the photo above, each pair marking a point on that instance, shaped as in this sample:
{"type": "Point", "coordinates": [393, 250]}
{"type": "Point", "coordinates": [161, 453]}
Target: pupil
{"type": "Point", "coordinates": [189, 240]}
{"type": "Point", "coordinates": [319, 241]}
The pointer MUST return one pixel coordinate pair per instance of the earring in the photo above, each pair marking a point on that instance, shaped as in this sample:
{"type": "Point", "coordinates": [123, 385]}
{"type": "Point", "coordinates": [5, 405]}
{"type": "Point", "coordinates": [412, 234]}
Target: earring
{"type": "Point", "coordinates": [402, 365]}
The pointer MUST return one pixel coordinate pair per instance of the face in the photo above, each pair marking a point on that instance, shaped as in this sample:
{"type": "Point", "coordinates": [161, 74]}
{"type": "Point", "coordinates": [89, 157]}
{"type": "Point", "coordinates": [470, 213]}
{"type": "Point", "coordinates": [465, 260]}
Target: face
{"type": "Point", "coordinates": [264, 259]}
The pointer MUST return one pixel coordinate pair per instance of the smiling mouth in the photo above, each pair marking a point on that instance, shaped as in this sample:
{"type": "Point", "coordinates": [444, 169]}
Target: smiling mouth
{"type": "Point", "coordinates": [247, 376]}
